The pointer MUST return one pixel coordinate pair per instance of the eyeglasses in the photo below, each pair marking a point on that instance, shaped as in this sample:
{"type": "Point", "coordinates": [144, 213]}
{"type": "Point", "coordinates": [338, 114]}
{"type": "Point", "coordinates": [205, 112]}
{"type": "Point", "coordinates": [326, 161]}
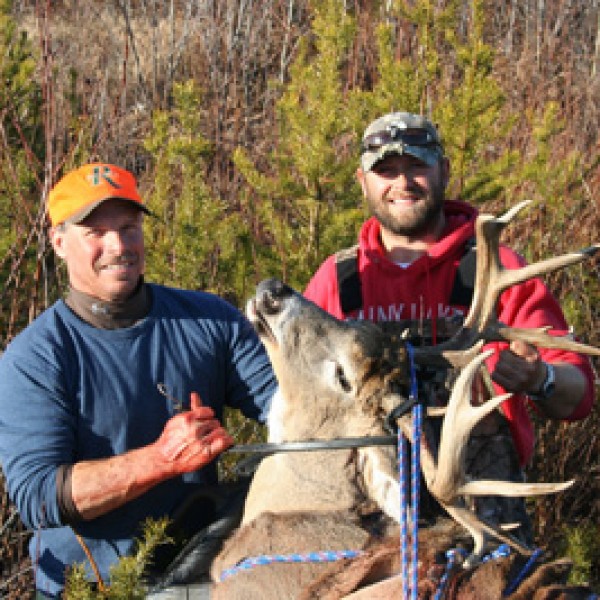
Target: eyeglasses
{"type": "Point", "coordinates": [413, 137]}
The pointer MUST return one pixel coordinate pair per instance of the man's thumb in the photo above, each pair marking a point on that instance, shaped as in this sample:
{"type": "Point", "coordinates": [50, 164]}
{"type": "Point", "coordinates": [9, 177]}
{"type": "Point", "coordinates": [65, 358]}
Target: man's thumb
{"type": "Point", "coordinates": [195, 400]}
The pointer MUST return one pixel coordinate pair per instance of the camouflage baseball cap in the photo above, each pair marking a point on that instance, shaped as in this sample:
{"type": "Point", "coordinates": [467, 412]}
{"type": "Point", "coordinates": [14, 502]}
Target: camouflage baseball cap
{"type": "Point", "coordinates": [400, 133]}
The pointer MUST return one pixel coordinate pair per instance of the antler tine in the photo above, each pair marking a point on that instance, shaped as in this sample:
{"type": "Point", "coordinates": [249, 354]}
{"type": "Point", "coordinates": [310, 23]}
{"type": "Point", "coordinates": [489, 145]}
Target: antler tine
{"type": "Point", "coordinates": [513, 276]}
{"type": "Point", "coordinates": [480, 530]}
{"type": "Point", "coordinates": [492, 278]}
{"type": "Point", "coordinates": [460, 418]}
{"type": "Point", "coordinates": [512, 489]}
{"type": "Point", "coordinates": [489, 269]}
{"type": "Point", "coordinates": [540, 337]}
{"type": "Point", "coordinates": [510, 214]}
{"type": "Point", "coordinates": [448, 480]}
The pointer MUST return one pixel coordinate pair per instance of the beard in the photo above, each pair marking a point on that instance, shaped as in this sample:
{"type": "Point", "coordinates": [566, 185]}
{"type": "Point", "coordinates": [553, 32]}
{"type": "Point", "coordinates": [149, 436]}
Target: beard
{"type": "Point", "coordinates": [420, 220]}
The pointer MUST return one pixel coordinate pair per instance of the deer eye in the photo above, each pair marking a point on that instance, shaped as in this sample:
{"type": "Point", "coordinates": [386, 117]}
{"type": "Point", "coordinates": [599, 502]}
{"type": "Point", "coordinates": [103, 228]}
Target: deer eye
{"type": "Point", "coordinates": [342, 380]}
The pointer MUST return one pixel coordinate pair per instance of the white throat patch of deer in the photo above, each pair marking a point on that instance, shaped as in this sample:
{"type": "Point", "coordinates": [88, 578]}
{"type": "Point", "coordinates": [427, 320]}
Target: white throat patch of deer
{"type": "Point", "coordinates": [342, 379]}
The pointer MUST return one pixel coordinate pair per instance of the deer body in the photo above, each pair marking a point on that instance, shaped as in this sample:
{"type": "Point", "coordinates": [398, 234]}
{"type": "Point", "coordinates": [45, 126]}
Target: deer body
{"type": "Point", "coordinates": [342, 379]}
{"type": "Point", "coordinates": [332, 488]}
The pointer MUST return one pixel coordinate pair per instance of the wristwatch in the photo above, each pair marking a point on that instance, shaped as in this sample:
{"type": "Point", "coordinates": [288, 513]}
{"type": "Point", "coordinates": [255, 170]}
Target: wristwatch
{"type": "Point", "coordinates": [548, 386]}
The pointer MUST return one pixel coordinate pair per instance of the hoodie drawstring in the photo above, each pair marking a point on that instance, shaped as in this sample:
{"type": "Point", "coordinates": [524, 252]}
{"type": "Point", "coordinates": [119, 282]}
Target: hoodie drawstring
{"type": "Point", "coordinates": [431, 304]}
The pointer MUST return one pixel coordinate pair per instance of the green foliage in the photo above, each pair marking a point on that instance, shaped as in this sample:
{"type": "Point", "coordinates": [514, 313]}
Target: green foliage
{"type": "Point", "coordinates": [424, 70]}
{"type": "Point", "coordinates": [21, 161]}
{"type": "Point", "coordinates": [310, 177]}
{"type": "Point", "coordinates": [550, 178]}
{"type": "Point", "coordinates": [78, 587]}
{"type": "Point", "coordinates": [246, 431]}
{"type": "Point", "coordinates": [470, 115]}
{"type": "Point", "coordinates": [450, 79]}
{"type": "Point", "coordinates": [19, 93]}
{"type": "Point", "coordinates": [20, 109]}
{"type": "Point", "coordinates": [197, 241]}
{"type": "Point", "coordinates": [582, 546]}
{"type": "Point", "coordinates": [580, 302]}
{"type": "Point", "coordinates": [126, 576]}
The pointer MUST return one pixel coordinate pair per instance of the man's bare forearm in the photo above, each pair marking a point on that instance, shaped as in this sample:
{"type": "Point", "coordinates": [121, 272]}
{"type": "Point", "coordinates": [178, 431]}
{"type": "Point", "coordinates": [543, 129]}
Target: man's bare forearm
{"type": "Point", "coordinates": [99, 486]}
{"type": "Point", "coordinates": [188, 442]}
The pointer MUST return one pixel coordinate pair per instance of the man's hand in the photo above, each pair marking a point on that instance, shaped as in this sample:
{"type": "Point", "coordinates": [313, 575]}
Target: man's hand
{"type": "Point", "coordinates": [188, 442]}
{"type": "Point", "coordinates": [520, 368]}
{"type": "Point", "coordinates": [193, 438]}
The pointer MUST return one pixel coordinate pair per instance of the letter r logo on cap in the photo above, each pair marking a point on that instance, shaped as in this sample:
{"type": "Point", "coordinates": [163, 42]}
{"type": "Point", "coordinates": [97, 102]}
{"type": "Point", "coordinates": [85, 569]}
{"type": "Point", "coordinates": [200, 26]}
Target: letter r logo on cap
{"type": "Point", "coordinates": [99, 173]}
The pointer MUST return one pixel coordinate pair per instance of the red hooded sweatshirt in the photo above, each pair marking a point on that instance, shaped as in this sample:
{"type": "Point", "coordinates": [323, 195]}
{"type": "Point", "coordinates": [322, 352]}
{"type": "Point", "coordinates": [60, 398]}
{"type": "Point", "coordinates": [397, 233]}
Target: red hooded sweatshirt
{"type": "Point", "coordinates": [422, 289]}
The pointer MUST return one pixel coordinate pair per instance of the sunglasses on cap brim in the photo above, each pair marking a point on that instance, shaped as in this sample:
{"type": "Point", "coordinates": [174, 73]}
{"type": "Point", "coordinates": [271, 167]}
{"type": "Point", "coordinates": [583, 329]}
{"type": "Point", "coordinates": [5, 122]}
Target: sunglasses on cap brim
{"type": "Point", "coordinates": [413, 137]}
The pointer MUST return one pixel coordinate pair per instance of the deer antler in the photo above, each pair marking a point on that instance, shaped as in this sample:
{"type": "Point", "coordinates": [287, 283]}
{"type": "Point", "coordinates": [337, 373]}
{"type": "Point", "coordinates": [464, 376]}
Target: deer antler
{"type": "Point", "coordinates": [491, 279]}
{"type": "Point", "coordinates": [447, 480]}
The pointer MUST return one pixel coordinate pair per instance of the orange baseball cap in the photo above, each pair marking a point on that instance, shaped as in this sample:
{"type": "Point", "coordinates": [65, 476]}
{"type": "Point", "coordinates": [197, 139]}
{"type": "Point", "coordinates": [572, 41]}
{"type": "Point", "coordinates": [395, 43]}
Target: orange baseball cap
{"type": "Point", "coordinates": [80, 191]}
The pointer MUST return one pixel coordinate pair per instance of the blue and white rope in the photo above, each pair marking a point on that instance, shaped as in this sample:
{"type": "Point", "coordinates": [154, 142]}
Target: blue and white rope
{"type": "Point", "coordinates": [410, 577]}
{"type": "Point", "coordinates": [511, 587]}
{"type": "Point", "coordinates": [454, 556]}
{"type": "Point", "coordinates": [403, 514]}
{"type": "Point", "coordinates": [309, 557]}
{"type": "Point", "coordinates": [416, 480]}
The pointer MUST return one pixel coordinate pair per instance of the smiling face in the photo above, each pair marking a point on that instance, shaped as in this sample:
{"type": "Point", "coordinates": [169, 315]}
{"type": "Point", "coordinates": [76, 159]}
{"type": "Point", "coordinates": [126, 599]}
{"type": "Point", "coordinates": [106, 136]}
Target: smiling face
{"type": "Point", "coordinates": [405, 194]}
{"type": "Point", "coordinates": [104, 253]}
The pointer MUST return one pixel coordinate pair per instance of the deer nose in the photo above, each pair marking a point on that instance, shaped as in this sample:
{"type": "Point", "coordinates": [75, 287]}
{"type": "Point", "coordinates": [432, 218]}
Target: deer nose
{"type": "Point", "coordinates": [271, 293]}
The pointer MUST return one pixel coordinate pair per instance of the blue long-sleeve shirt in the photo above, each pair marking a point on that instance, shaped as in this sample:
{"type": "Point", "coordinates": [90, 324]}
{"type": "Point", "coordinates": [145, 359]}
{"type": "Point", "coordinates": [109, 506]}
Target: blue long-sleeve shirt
{"type": "Point", "coordinates": [71, 392]}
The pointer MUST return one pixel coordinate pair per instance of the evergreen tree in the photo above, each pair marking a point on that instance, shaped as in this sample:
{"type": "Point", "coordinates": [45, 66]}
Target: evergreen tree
{"type": "Point", "coordinates": [308, 201]}
{"type": "Point", "coordinates": [197, 241]}
{"type": "Point", "coordinates": [449, 79]}
{"type": "Point", "coordinates": [21, 160]}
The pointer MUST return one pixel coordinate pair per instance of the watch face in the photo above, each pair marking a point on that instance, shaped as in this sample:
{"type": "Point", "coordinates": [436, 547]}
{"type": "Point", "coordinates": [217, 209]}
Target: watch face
{"type": "Point", "coordinates": [548, 387]}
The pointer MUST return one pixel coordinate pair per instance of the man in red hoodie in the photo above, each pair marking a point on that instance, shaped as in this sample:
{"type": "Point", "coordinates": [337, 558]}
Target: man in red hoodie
{"type": "Point", "coordinates": [407, 260]}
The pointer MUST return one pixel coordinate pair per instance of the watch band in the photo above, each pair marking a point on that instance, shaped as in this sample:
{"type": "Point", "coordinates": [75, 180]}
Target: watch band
{"type": "Point", "coordinates": [548, 386]}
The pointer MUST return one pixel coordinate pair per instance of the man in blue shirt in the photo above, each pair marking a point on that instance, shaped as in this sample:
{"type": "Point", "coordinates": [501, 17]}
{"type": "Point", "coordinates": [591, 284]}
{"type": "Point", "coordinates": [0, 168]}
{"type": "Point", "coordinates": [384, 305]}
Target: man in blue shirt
{"type": "Point", "coordinates": [88, 443]}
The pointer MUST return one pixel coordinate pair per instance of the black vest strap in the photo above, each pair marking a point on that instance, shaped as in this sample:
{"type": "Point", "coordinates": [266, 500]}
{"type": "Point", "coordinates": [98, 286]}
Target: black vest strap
{"type": "Point", "coordinates": [350, 289]}
{"type": "Point", "coordinates": [349, 285]}
{"type": "Point", "coordinates": [464, 280]}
